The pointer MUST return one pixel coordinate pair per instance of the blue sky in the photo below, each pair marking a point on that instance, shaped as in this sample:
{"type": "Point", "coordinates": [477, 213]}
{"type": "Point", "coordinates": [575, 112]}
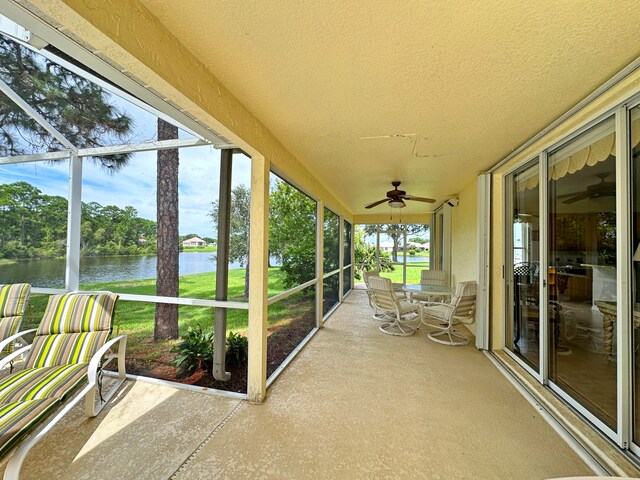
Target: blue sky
{"type": "Point", "coordinates": [135, 184]}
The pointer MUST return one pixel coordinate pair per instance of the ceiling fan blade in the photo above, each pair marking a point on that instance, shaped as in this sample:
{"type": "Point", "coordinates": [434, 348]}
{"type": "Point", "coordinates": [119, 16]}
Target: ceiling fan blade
{"type": "Point", "coordinates": [418, 199]}
{"type": "Point", "coordinates": [567, 195]}
{"type": "Point", "coordinates": [577, 198]}
{"type": "Point", "coordinates": [371, 205]}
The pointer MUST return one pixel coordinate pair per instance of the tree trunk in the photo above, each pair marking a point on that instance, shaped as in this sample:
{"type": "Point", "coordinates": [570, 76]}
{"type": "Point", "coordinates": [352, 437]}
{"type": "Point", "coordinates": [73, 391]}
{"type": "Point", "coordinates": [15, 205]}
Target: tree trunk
{"type": "Point", "coordinates": [394, 252]}
{"type": "Point", "coordinates": [167, 280]}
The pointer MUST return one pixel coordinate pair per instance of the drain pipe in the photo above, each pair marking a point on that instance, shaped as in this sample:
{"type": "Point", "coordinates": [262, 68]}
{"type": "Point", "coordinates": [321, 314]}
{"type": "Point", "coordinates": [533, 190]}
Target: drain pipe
{"type": "Point", "coordinates": [222, 267]}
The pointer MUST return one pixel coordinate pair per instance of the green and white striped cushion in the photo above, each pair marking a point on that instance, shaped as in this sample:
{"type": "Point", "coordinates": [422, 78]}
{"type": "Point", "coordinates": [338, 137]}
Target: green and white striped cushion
{"type": "Point", "coordinates": [19, 418]}
{"type": "Point", "coordinates": [8, 327]}
{"type": "Point", "coordinates": [13, 298]}
{"type": "Point", "coordinates": [38, 383]}
{"type": "Point", "coordinates": [78, 312]}
{"type": "Point", "coordinates": [64, 348]}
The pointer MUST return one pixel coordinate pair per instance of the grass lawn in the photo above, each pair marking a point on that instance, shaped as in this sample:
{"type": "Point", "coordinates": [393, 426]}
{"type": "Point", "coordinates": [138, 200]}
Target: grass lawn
{"type": "Point", "coordinates": [413, 272]}
{"type": "Point", "coordinates": [136, 319]}
{"type": "Point", "coordinates": [200, 249]}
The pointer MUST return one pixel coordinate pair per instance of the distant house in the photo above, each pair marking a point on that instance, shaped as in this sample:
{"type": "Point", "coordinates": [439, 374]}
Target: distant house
{"type": "Point", "coordinates": [194, 242]}
{"type": "Point", "coordinates": [142, 241]}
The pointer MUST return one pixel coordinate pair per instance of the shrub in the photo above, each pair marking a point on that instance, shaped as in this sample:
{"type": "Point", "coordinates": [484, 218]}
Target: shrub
{"type": "Point", "coordinates": [195, 352]}
{"type": "Point", "coordinates": [237, 350]}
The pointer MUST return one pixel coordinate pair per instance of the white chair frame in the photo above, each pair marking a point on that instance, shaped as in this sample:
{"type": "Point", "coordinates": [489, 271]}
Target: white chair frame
{"type": "Point", "coordinates": [401, 311]}
{"type": "Point", "coordinates": [88, 393]}
{"type": "Point", "coordinates": [461, 309]}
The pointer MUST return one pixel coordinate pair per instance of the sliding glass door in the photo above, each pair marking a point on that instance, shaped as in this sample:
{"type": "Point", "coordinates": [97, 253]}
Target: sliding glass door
{"type": "Point", "coordinates": [522, 336]}
{"type": "Point", "coordinates": [581, 276]}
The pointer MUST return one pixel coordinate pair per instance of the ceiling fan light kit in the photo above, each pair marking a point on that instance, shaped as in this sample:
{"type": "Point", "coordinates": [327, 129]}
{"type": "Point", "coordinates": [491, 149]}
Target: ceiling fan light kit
{"type": "Point", "coordinates": [397, 203]}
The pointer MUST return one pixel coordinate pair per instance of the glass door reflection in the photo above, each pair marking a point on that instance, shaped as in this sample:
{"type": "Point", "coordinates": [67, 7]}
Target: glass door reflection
{"type": "Point", "coordinates": [523, 267]}
{"type": "Point", "coordinates": [581, 286]}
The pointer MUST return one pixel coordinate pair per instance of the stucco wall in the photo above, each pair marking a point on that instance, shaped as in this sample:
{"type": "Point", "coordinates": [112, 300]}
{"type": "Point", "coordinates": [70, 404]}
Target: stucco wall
{"type": "Point", "coordinates": [603, 105]}
{"type": "Point", "coordinates": [464, 228]}
{"type": "Point", "coordinates": [126, 35]}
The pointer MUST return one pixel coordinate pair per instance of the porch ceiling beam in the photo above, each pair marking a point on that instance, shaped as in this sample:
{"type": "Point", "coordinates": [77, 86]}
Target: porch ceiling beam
{"type": "Point", "coordinates": [17, 99]}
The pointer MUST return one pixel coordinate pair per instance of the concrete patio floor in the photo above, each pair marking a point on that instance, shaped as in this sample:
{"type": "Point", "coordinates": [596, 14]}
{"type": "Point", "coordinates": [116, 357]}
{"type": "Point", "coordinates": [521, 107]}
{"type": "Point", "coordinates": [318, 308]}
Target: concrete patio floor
{"type": "Point", "coordinates": [354, 404]}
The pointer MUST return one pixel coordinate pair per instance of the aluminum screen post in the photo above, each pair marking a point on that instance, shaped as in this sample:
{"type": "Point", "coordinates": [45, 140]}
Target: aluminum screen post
{"type": "Point", "coordinates": [222, 266]}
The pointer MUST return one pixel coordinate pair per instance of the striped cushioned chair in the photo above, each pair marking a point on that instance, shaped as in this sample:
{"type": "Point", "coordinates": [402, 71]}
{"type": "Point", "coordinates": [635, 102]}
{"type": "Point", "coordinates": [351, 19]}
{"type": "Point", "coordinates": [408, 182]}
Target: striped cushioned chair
{"type": "Point", "coordinates": [67, 351]}
{"type": "Point", "coordinates": [461, 309]}
{"type": "Point", "coordinates": [13, 303]}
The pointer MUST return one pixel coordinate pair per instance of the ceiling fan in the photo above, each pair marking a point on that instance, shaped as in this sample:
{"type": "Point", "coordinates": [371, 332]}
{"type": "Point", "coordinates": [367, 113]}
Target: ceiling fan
{"type": "Point", "coordinates": [602, 189]}
{"type": "Point", "coordinates": [395, 198]}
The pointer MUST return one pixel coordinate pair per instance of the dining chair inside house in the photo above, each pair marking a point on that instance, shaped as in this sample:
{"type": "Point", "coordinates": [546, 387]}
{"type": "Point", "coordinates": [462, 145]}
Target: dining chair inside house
{"type": "Point", "coordinates": [443, 316]}
{"type": "Point", "coordinates": [430, 277]}
{"type": "Point", "coordinates": [405, 315]}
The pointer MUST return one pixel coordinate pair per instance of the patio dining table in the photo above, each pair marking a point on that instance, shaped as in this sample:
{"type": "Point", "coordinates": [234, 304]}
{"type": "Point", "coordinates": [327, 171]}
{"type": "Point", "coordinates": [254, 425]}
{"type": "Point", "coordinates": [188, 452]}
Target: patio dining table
{"type": "Point", "coordinates": [435, 290]}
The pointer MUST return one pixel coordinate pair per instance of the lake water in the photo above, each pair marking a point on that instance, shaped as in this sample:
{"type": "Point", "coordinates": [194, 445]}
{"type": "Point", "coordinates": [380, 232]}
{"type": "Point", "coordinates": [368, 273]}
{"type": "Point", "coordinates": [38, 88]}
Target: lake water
{"type": "Point", "coordinates": [50, 272]}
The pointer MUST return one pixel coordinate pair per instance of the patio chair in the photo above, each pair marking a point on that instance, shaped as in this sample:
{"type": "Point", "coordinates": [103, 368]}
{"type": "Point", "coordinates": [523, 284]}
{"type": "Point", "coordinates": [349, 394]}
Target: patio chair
{"type": "Point", "coordinates": [13, 304]}
{"type": "Point", "coordinates": [430, 277]}
{"type": "Point", "coordinates": [403, 311]}
{"type": "Point", "coordinates": [67, 352]}
{"type": "Point", "coordinates": [377, 314]}
{"type": "Point", "coordinates": [461, 309]}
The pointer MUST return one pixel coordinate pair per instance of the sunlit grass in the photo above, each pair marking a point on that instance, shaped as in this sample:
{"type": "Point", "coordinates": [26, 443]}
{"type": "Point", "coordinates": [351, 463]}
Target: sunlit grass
{"type": "Point", "coordinates": [136, 319]}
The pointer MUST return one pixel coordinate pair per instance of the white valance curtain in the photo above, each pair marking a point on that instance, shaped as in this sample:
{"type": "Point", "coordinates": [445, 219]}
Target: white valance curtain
{"type": "Point", "coordinates": [589, 149]}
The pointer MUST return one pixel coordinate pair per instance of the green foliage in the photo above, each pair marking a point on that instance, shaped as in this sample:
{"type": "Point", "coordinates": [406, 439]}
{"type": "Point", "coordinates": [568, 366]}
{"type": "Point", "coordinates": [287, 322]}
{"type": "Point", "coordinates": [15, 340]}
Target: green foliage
{"type": "Point", "coordinates": [419, 240]}
{"type": "Point", "coordinates": [34, 225]}
{"type": "Point", "coordinates": [79, 109]}
{"type": "Point", "coordinates": [292, 232]}
{"type": "Point", "coordinates": [397, 235]}
{"type": "Point", "coordinates": [365, 255]}
{"type": "Point", "coordinates": [237, 350]}
{"type": "Point", "coordinates": [195, 351]}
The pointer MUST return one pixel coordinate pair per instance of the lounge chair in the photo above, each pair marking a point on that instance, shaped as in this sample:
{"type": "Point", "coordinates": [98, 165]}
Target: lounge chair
{"type": "Point", "coordinates": [66, 353]}
{"type": "Point", "coordinates": [13, 303]}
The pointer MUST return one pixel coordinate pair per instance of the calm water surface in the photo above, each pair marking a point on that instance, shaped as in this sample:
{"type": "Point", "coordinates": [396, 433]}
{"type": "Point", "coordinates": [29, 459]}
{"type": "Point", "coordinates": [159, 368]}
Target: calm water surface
{"type": "Point", "coordinates": [50, 272]}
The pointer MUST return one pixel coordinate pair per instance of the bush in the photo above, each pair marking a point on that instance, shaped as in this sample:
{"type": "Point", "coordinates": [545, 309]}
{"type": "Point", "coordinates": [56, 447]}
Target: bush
{"type": "Point", "coordinates": [237, 350]}
{"type": "Point", "coordinates": [195, 352]}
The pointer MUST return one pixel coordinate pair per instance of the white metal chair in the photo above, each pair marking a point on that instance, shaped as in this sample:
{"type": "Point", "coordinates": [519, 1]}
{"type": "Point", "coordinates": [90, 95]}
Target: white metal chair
{"type": "Point", "coordinates": [430, 277]}
{"type": "Point", "coordinates": [461, 309]}
{"type": "Point", "coordinates": [401, 310]}
{"type": "Point", "coordinates": [377, 314]}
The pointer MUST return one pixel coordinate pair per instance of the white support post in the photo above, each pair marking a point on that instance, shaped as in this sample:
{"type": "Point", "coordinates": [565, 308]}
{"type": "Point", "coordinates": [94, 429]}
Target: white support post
{"type": "Point", "coordinates": [624, 332]}
{"type": "Point", "coordinates": [74, 221]}
{"type": "Point", "coordinates": [341, 259]}
{"type": "Point", "coordinates": [544, 268]}
{"type": "Point", "coordinates": [484, 255]}
{"type": "Point", "coordinates": [319, 262]}
{"type": "Point", "coordinates": [258, 280]}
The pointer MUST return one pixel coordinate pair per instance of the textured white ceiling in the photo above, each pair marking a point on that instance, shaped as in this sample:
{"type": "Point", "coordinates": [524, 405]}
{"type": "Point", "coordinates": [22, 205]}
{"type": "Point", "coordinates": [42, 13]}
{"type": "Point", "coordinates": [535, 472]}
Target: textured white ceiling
{"type": "Point", "coordinates": [466, 81]}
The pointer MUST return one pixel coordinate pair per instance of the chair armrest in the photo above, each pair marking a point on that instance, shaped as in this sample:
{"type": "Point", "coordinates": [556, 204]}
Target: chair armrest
{"type": "Point", "coordinates": [90, 407]}
{"type": "Point", "coordinates": [94, 364]}
{"type": "Point", "coordinates": [9, 358]}
{"type": "Point", "coordinates": [7, 341]}
{"type": "Point", "coordinates": [438, 304]}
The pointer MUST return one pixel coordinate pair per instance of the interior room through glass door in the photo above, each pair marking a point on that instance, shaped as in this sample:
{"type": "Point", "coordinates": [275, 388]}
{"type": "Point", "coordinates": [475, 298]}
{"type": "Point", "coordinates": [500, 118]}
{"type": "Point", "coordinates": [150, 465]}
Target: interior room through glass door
{"type": "Point", "coordinates": [523, 266]}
